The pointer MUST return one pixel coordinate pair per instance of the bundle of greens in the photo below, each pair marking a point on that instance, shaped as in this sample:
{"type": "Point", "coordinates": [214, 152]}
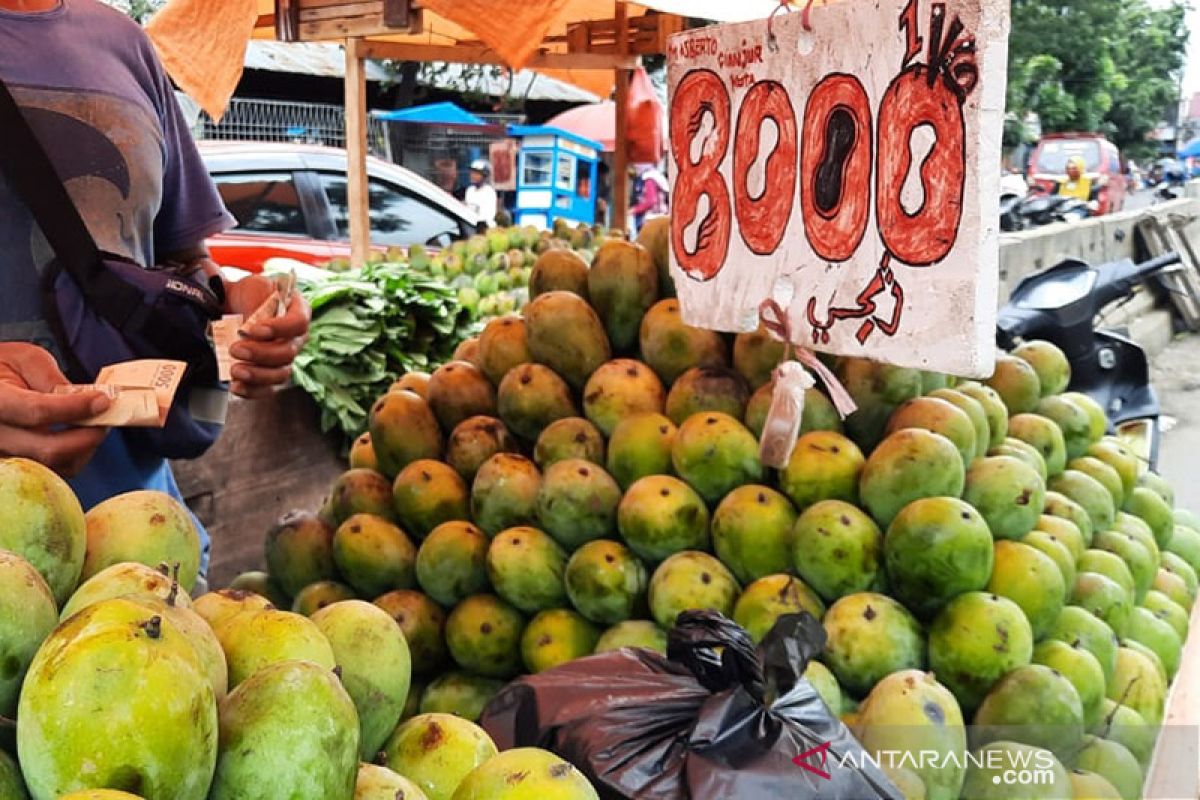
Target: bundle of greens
{"type": "Point", "coordinates": [370, 326]}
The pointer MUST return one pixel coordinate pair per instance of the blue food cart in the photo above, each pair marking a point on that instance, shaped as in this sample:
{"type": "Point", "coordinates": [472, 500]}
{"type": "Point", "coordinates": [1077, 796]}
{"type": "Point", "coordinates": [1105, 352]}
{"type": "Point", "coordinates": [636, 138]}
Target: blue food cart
{"type": "Point", "coordinates": [556, 176]}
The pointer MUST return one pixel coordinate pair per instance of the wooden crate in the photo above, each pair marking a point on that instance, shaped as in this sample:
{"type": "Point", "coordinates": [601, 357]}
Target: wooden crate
{"type": "Point", "coordinates": [647, 34]}
{"type": "Point", "coordinates": [1170, 234]}
{"type": "Point", "coordinates": [270, 459]}
{"type": "Point", "coordinates": [325, 20]}
{"type": "Point", "coordinates": [1174, 770]}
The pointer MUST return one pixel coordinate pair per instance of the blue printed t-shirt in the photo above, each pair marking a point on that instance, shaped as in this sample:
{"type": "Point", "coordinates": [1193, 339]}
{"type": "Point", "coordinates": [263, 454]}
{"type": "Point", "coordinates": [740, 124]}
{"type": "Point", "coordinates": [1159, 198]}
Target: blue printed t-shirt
{"type": "Point", "coordinates": [91, 86]}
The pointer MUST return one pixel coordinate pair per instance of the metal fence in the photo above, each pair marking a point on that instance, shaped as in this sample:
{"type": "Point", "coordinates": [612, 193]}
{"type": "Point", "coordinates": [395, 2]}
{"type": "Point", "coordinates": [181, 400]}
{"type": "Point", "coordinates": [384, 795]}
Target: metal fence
{"type": "Point", "coordinates": [285, 121]}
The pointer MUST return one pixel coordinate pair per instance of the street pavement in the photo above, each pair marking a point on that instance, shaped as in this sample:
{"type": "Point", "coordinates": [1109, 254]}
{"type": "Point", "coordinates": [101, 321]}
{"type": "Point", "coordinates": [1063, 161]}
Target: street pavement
{"type": "Point", "coordinates": [1176, 376]}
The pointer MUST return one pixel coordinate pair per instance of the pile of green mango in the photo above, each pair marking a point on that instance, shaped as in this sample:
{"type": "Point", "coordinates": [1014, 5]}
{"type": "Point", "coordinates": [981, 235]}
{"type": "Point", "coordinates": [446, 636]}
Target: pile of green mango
{"type": "Point", "coordinates": [123, 686]}
{"type": "Point", "coordinates": [979, 552]}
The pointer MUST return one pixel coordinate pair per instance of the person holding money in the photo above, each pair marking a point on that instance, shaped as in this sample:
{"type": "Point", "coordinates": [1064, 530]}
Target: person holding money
{"type": "Point", "coordinates": [91, 87]}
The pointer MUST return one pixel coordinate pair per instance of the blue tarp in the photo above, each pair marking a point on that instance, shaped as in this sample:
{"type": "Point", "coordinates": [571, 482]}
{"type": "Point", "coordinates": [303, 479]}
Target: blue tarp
{"type": "Point", "coordinates": [434, 114]}
{"type": "Point", "coordinates": [1191, 149]}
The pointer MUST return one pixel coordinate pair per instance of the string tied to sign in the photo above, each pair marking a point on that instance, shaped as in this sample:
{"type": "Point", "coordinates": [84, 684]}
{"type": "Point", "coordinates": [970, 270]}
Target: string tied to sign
{"type": "Point", "coordinates": [786, 6]}
{"type": "Point", "coordinates": [792, 380]}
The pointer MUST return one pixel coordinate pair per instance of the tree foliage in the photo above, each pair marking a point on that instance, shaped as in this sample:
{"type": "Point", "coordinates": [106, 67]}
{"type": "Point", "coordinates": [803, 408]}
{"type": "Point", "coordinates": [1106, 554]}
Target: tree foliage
{"type": "Point", "coordinates": [140, 10]}
{"type": "Point", "coordinates": [1095, 65]}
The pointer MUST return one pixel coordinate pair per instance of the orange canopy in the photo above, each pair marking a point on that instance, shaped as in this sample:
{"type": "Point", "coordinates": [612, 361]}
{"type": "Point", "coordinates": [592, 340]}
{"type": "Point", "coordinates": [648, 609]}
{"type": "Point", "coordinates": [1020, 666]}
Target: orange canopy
{"type": "Point", "coordinates": [202, 42]}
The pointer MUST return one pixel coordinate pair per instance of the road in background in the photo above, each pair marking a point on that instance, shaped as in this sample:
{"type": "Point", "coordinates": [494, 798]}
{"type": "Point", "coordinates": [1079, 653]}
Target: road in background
{"type": "Point", "coordinates": [1176, 375]}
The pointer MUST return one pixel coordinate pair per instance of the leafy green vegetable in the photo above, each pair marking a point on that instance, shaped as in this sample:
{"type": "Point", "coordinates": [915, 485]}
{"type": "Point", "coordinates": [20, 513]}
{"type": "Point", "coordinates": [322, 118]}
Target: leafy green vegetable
{"type": "Point", "coordinates": [370, 326]}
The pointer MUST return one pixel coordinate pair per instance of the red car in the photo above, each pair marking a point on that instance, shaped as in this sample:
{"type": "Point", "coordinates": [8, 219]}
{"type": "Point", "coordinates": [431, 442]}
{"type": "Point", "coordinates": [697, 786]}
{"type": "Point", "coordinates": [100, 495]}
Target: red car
{"type": "Point", "coordinates": [290, 201]}
{"type": "Point", "coordinates": [1048, 166]}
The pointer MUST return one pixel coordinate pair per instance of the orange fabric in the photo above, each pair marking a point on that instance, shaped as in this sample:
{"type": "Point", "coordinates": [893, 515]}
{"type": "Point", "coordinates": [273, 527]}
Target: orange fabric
{"type": "Point", "coordinates": [202, 43]}
{"type": "Point", "coordinates": [515, 33]}
{"type": "Point", "coordinates": [644, 127]}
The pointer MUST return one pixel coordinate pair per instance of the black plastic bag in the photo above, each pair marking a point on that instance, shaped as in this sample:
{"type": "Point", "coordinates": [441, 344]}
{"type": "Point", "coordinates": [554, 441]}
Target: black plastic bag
{"type": "Point", "coordinates": [716, 720]}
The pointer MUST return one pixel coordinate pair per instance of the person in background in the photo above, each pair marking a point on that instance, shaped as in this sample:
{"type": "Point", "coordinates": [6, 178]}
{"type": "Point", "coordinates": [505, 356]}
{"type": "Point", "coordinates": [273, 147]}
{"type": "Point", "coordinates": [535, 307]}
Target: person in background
{"type": "Point", "coordinates": [91, 87]}
{"type": "Point", "coordinates": [1077, 184]}
{"type": "Point", "coordinates": [650, 196]}
{"type": "Point", "coordinates": [481, 195]}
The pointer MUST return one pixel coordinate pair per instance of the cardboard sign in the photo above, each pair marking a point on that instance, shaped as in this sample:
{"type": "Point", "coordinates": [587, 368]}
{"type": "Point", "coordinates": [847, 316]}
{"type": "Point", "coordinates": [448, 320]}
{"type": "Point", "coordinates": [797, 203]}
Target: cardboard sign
{"type": "Point", "coordinates": [850, 172]}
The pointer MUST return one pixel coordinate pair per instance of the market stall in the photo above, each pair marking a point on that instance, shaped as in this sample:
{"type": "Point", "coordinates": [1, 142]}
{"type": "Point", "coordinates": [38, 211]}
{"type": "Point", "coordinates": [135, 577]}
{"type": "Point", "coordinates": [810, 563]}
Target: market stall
{"type": "Point", "coordinates": [591, 42]}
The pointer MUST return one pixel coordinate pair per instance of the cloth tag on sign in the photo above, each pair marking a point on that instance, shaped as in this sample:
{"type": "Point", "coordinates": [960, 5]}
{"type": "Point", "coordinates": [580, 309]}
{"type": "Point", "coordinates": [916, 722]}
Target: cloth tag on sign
{"type": "Point", "coordinates": [141, 393]}
{"type": "Point", "coordinates": [782, 427]}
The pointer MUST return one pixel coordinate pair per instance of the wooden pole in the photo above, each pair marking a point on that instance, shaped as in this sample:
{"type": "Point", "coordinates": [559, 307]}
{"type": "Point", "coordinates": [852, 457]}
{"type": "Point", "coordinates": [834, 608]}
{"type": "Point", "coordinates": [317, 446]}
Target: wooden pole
{"type": "Point", "coordinates": [356, 154]}
{"type": "Point", "coordinates": [620, 181]}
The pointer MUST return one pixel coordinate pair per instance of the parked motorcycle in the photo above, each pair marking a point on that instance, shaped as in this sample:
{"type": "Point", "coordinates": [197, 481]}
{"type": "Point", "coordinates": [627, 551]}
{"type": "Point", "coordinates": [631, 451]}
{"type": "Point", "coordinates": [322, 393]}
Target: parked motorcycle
{"type": "Point", "coordinates": [1060, 305]}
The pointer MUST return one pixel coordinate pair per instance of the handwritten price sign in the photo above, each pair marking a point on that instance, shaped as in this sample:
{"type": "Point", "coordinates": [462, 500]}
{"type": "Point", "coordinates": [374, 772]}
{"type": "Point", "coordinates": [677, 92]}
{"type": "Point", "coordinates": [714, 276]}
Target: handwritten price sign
{"type": "Point", "coordinates": [850, 172]}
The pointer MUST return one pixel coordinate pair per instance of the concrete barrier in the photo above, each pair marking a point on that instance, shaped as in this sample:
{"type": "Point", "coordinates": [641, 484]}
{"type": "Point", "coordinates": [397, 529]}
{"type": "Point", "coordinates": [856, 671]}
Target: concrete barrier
{"type": "Point", "coordinates": [1095, 240]}
{"type": "Point", "coordinates": [1098, 240]}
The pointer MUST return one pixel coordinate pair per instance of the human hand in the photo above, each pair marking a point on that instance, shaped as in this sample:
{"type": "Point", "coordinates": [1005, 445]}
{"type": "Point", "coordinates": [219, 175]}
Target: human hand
{"type": "Point", "coordinates": [264, 356]}
{"type": "Point", "coordinates": [31, 418]}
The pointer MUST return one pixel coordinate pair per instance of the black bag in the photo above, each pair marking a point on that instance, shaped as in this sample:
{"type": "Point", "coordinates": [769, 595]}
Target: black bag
{"type": "Point", "coordinates": [105, 309]}
{"type": "Point", "coordinates": [716, 720]}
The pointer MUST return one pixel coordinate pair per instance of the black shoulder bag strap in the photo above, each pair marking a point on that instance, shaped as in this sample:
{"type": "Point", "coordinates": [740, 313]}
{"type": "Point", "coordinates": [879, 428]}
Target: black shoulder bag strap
{"type": "Point", "coordinates": [27, 167]}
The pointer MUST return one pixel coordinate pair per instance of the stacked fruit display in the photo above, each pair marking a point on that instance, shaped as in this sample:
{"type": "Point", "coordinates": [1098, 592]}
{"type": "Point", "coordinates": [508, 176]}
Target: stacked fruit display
{"type": "Point", "coordinates": [124, 687]}
{"type": "Point", "coordinates": [977, 551]}
{"type": "Point", "coordinates": [491, 271]}
{"type": "Point", "coordinates": [408, 309]}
